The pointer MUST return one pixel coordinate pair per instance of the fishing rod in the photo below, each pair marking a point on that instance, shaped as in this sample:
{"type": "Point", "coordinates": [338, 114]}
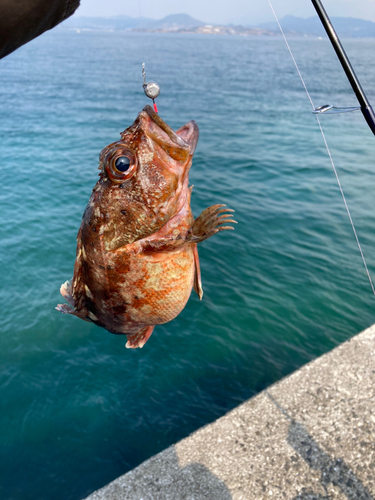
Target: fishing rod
{"type": "Point", "coordinates": [365, 105]}
{"type": "Point", "coordinates": [367, 111]}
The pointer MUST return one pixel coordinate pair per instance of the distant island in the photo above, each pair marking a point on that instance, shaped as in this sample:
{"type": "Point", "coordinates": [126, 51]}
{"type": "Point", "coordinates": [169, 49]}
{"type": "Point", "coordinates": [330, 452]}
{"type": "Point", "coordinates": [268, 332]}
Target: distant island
{"type": "Point", "coordinates": [182, 23]}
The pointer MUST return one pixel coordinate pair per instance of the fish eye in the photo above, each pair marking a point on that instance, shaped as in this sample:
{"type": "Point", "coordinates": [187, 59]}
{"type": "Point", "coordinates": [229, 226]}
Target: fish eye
{"type": "Point", "coordinates": [122, 163]}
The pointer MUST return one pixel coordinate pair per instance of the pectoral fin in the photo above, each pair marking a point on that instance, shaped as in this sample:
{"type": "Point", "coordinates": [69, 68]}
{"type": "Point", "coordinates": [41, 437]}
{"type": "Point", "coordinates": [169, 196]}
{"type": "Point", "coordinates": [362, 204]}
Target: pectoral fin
{"type": "Point", "coordinates": [68, 309]}
{"type": "Point", "coordinates": [65, 309]}
{"type": "Point", "coordinates": [210, 222]}
{"type": "Point", "coordinates": [66, 292]}
{"type": "Point", "coordinates": [197, 274]}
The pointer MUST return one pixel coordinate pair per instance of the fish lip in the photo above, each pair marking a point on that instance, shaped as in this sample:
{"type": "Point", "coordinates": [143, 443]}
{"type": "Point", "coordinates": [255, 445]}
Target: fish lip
{"type": "Point", "coordinates": [186, 136]}
{"type": "Point", "coordinates": [190, 134]}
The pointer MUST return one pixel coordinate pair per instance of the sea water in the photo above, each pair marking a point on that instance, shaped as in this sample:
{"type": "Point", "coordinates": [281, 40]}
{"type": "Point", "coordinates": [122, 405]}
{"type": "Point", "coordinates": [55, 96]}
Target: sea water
{"type": "Point", "coordinates": [78, 409]}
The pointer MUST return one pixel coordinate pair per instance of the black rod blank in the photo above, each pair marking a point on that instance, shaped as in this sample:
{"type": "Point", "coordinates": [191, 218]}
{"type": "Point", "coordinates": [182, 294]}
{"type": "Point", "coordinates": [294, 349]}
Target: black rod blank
{"type": "Point", "coordinates": [366, 108]}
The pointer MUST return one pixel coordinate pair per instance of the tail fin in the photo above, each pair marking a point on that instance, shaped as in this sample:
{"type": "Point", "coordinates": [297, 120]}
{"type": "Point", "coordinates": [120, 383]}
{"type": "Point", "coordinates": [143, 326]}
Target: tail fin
{"type": "Point", "coordinates": [139, 338]}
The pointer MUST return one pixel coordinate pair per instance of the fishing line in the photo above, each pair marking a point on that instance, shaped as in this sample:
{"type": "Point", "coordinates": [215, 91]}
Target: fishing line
{"type": "Point", "coordinates": [328, 150]}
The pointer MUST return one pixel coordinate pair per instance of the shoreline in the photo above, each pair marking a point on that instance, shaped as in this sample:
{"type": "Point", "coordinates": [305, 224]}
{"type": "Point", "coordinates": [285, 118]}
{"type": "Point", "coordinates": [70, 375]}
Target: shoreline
{"type": "Point", "coordinates": [309, 436]}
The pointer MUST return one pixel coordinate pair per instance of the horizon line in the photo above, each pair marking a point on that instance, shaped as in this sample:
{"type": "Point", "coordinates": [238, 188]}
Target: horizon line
{"type": "Point", "coordinates": [76, 15]}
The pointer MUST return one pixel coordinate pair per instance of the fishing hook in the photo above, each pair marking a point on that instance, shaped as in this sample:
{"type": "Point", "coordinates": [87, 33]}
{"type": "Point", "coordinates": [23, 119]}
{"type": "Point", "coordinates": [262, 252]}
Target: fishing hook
{"type": "Point", "coordinates": [151, 89]}
{"type": "Point", "coordinates": [329, 109]}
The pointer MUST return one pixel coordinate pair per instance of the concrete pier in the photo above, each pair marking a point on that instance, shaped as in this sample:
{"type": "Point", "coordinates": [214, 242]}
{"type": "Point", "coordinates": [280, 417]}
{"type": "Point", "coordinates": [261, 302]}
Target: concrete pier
{"type": "Point", "coordinates": [311, 436]}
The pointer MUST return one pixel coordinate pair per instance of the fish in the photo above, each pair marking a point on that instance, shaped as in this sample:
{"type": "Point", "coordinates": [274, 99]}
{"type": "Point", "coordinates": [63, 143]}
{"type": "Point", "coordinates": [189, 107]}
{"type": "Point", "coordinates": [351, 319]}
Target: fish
{"type": "Point", "coordinates": [137, 257]}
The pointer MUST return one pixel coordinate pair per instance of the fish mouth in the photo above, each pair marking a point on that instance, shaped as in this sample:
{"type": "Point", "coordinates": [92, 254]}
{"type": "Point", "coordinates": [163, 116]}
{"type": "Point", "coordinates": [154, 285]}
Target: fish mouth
{"type": "Point", "coordinates": [180, 144]}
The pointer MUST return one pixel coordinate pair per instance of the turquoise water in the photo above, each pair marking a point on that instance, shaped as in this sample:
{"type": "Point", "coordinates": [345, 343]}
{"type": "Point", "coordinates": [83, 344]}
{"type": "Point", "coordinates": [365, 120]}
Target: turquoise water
{"type": "Point", "coordinates": [78, 409]}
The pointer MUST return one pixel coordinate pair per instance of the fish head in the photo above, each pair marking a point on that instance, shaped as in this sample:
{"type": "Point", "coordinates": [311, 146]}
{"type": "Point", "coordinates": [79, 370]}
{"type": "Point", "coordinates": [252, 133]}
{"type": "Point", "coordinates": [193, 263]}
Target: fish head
{"type": "Point", "coordinates": [143, 180]}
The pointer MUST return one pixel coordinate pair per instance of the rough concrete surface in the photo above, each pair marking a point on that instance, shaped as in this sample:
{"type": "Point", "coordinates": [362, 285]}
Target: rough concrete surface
{"type": "Point", "coordinates": [310, 436]}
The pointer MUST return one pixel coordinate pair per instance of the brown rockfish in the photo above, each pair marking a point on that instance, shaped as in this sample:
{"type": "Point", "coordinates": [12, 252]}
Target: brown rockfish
{"type": "Point", "coordinates": [137, 257]}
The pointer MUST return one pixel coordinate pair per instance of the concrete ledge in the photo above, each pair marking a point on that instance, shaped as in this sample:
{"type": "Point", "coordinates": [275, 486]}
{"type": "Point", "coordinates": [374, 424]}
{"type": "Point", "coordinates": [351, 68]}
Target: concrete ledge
{"type": "Point", "coordinates": [311, 436]}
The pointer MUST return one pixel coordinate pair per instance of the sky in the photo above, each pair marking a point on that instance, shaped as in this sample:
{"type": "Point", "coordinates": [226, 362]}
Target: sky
{"type": "Point", "coordinates": [225, 11]}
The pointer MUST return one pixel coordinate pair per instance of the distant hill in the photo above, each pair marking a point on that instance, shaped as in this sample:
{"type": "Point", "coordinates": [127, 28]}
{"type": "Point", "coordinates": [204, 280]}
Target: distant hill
{"type": "Point", "coordinates": [345, 26]}
{"type": "Point", "coordinates": [106, 23]}
{"type": "Point", "coordinates": [174, 22]}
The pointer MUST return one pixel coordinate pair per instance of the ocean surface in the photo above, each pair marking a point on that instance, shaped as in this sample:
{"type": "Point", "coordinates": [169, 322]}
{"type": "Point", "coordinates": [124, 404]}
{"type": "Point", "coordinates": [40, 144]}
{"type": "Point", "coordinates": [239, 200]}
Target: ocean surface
{"type": "Point", "coordinates": [77, 408]}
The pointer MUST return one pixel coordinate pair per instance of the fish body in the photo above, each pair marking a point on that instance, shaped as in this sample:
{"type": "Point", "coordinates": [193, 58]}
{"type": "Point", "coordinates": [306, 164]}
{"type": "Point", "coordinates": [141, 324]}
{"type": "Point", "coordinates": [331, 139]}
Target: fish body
{"type": "Point", "coordinates": [137, 257]}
